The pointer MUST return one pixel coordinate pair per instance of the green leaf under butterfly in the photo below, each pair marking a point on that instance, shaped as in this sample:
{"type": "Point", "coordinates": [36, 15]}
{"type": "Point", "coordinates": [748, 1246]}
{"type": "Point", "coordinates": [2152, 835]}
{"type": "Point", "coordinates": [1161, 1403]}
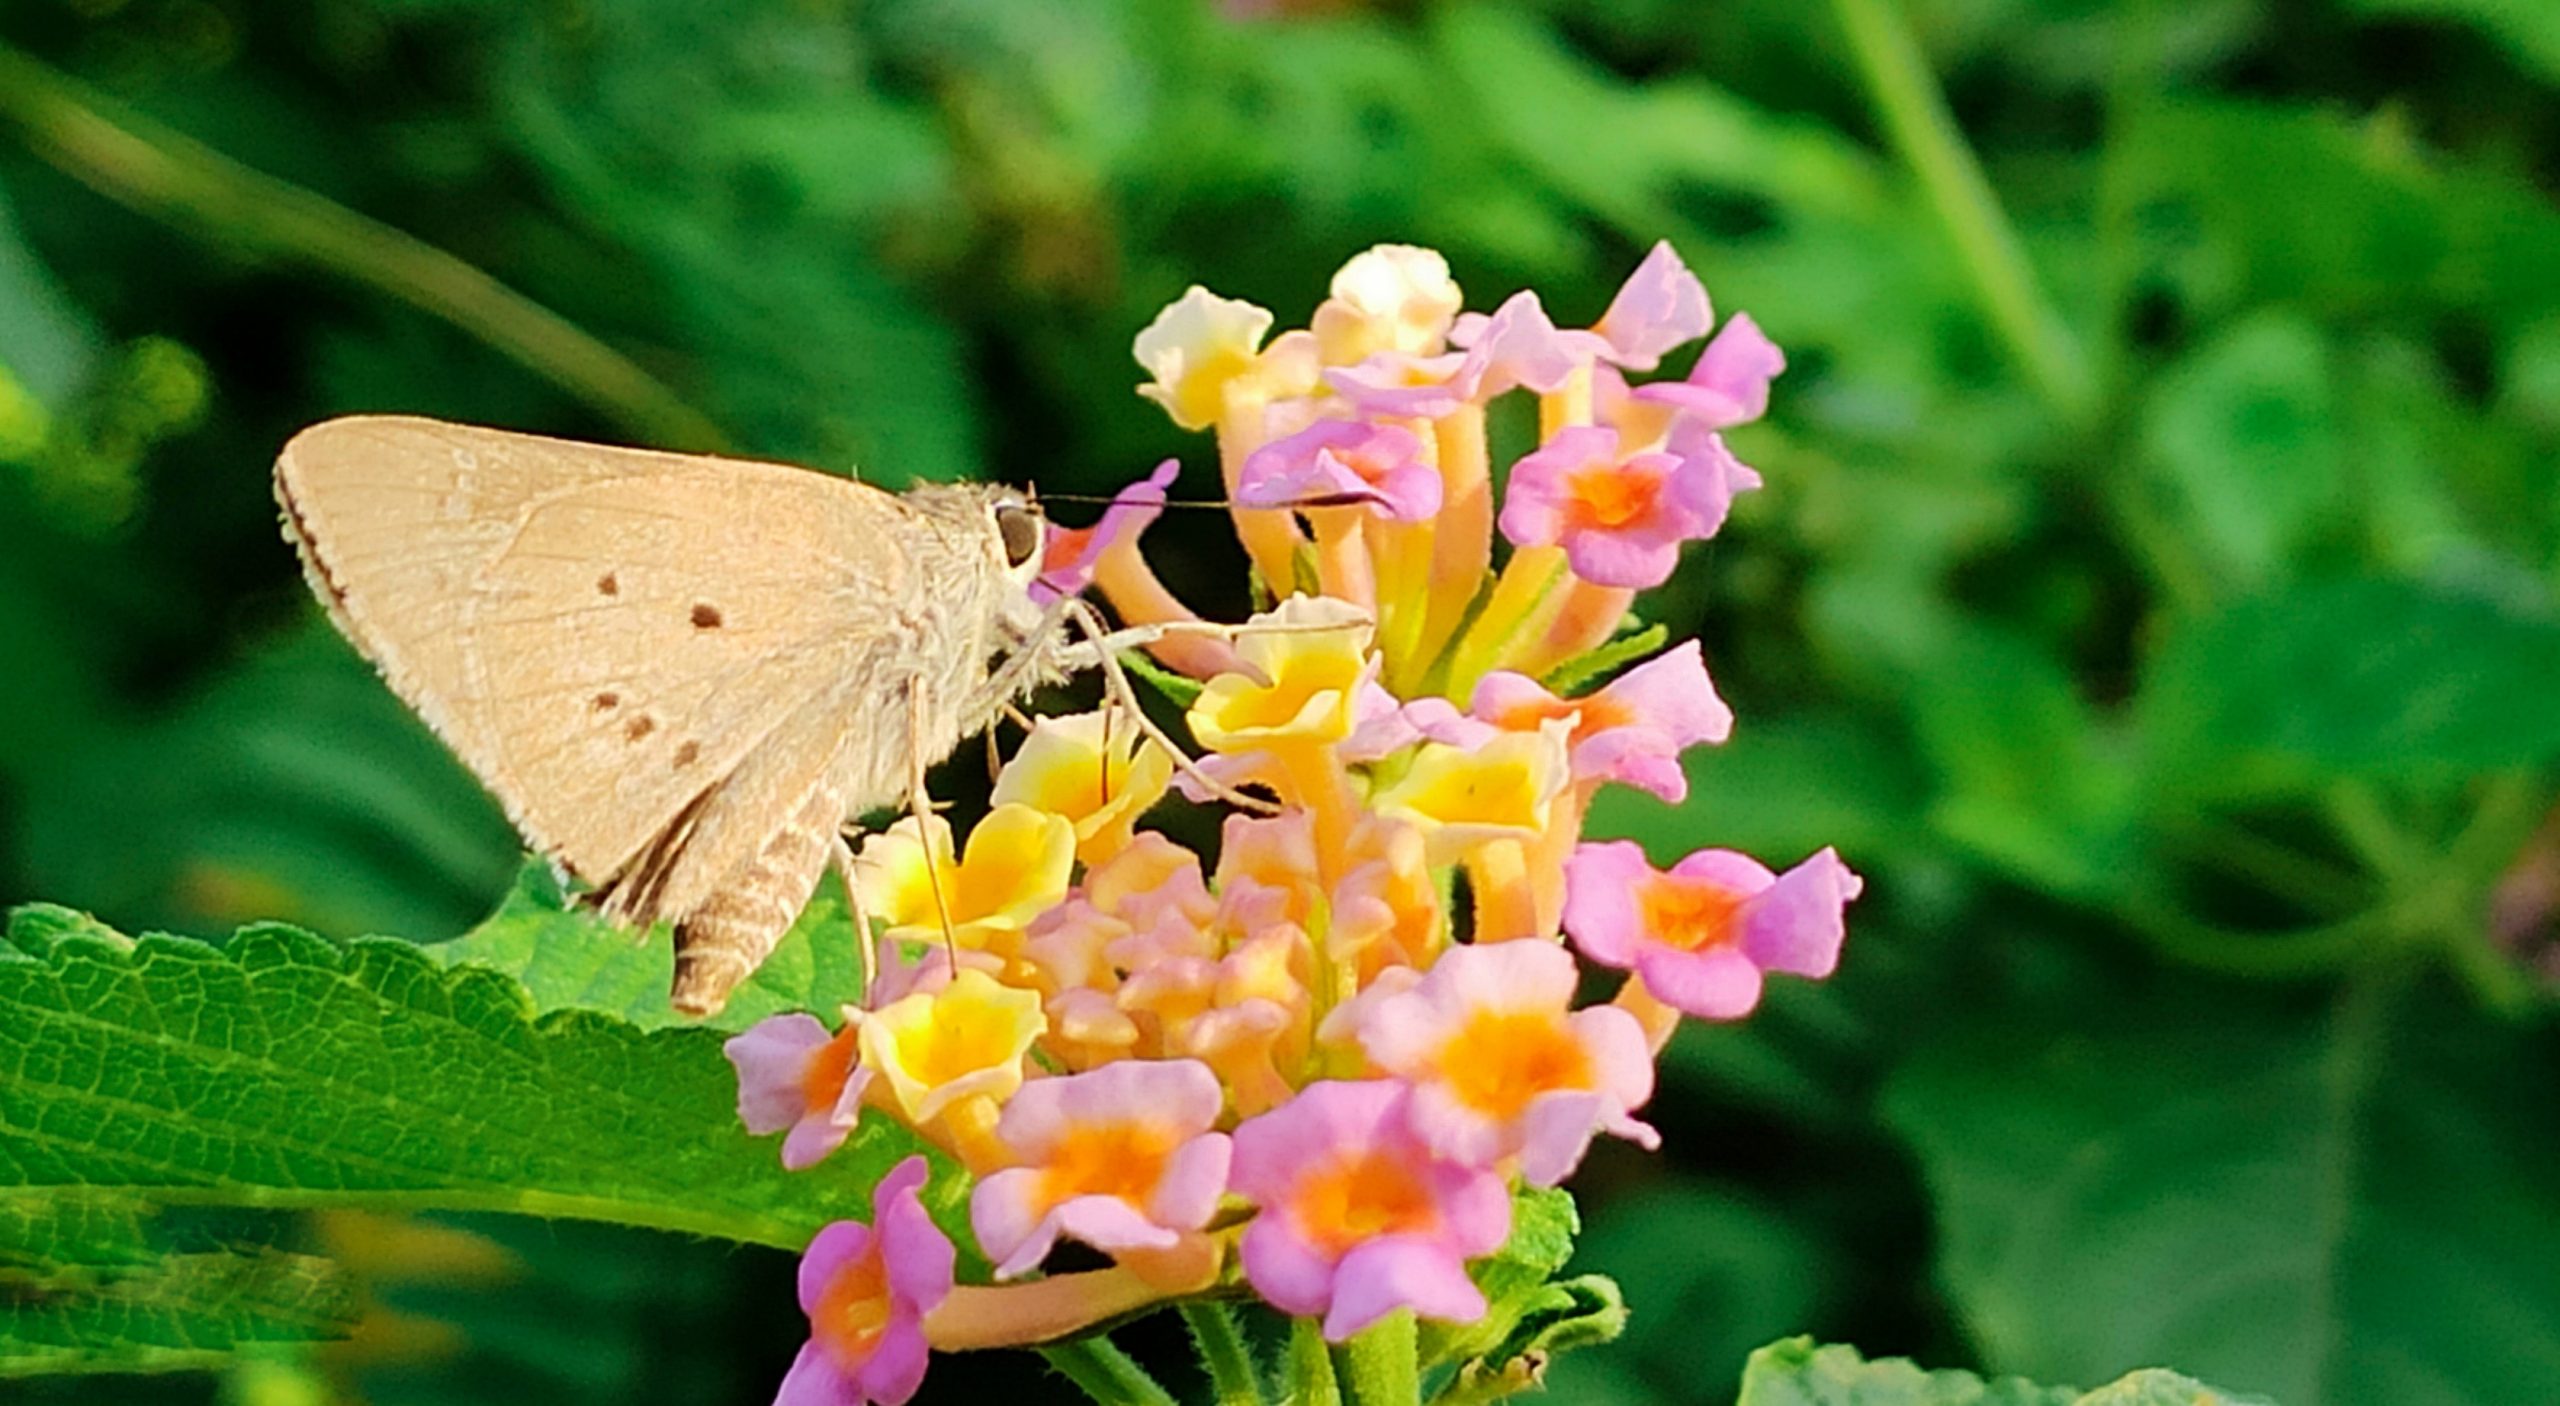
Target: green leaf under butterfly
{"type": "Point", "coordinates": [278, 1070]}
{"type": "Point", "coordinates": [569, 958]}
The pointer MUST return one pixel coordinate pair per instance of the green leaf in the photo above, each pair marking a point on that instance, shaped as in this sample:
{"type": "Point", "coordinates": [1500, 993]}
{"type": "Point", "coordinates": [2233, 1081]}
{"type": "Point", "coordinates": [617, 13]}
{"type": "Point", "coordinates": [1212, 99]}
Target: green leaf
{"type": "Point", "coordinates": [1182, 689]}
{"type": "Point", "coordinates": [2350, 1205]}
{"type": "Point", "coordinates": [95, 1282]}
{"type": "Point", "coordinates": [2243, 441]}
{"type": "Point", "coordinates": [1543, 1224]}
{"type": "Point", "coordinates": [2364, 678]}
{"type": "Point", "coordinates": [1590, 666]}
{"type": "Point", "coordinates": [2027, 778]}
{"type": "Point", "coordinates": [2356, 220]}
{"type": "Point", "coordinates": [280, 1071]}
{"type": "Point", "coordinates": [1797, 1373]}
{"type": "Point", "coordinates": [569, 958]}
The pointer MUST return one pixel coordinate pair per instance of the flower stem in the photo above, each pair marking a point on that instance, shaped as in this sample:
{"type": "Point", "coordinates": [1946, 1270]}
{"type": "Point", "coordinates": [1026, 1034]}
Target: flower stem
{"type": "Point", "coordinates": [172, 178]}
{"type": "Point", "coordinates": [1914, 112]}
{"type": "Point", "coordinates": [1381, 1365]}
{"type": "Point", "coordinates": [1311, 1366]}
{"type": "Point", "coordinates": [1224, 1353]}
{"type": "Point", "coordinates": [1108, 1375]}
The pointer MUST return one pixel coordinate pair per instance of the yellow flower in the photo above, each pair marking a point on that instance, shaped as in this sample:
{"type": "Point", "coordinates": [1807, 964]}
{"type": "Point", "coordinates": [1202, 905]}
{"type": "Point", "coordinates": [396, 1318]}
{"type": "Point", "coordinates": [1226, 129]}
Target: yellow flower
{"type": "Point", "coordinates": [1198, 344]}
{"type": "Point", "coordinates": [1463, 798]}
{"type": "Point", "coordinates": [1310, 666]}
{"type": "Point", "coordinates": [1016, 868]}
{"type": "Point", "coordinates": [1095, 771]}
{"type": "Point", "coordinates": [965, 1041]}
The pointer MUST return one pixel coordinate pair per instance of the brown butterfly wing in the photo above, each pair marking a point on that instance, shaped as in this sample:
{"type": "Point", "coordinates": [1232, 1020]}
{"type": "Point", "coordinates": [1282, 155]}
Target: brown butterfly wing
{"type": "Point", "coordinates": [651, 659]}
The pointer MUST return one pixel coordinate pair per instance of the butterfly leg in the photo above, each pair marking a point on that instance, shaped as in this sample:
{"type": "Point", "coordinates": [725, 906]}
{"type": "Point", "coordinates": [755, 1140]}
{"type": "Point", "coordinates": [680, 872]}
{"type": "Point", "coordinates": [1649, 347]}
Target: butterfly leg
{"type": "Point", "coordinates": [863, 940]}
{"type": "Point", "coordinates": [1116, 680]}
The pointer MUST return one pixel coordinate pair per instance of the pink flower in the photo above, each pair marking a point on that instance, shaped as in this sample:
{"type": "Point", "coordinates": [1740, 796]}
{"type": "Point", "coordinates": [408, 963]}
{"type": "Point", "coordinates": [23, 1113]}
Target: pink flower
{"type": "Point", "coordinates": [1121, 1158]}
{"type": "Point", "coordinates": [1381, 465]}
{"type": "Point", "coordinates": [1709, 476]}
{"type": "Point", "coordinates": [867, 1289]}
{"type": "Point", "coordinates": [1403, 385]}
{"type": "Point", "coordinates": [1632, 731]}
{"type": "Point", "coordinates": [1503, 1068]}
{"type": "Point", "coordinates": [1661, 306]}
{"type": "Point", "coordinates": [1730, 384]}
{"type": "Point", "coordinates": [1702, 934]}
{"type": "Point", "coordinates": [1358, 1218]}
{"type": "Point", "coordinates": [1519, 345]}
{"type": "Point", "coordinates": [793, 1074]}
{"type": "Point", "coordinates": [1620, 521]}
{"type": "Point", "coordinates": [1068, 562]}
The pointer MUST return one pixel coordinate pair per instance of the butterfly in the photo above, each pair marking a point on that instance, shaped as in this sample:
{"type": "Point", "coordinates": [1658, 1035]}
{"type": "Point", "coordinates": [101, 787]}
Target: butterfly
{"type": "Point", "coordinates": [681, 675]}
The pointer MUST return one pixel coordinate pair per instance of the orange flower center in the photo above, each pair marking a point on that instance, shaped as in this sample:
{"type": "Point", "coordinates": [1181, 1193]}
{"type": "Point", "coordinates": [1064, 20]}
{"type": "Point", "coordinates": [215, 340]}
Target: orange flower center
{"type": "Point", "coordinates": [1615, 495]}
{"type": "Point", "coordinates": [1503, 1059]}
{"type": "Point", "coordinates": [1371, 464]}
{"type": "Point", "coordinates": [1362, 1196]}
{"type": "Point", "coordinates": [1687, 913]}
{"type": "Point", "coordinates": [853, 1311]}
{"type": "Point", "coordinates": [1598, 714]}
{"type": "Point", "coordinates": [1113, 1159]}
{"type": "Point", "coordinates": [823, 1082]}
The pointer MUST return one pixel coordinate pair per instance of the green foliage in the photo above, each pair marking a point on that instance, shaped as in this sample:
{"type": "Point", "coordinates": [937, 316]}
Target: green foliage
{"type": "Point", "coordinates": [568, 958]}
{"type": "Point", "coordinates": [105, 1282]}
{"type": "Point", "coordinates": [2353, 678]}
{"type": "Point", "coordinates": [2169, 728]}
{"type": "Point", "coordinates": [1797, 1373]}
{"type": "Point", "coordinates": [278, 1070]}
{"type": "Point", "coordinates": [2339, 1202]}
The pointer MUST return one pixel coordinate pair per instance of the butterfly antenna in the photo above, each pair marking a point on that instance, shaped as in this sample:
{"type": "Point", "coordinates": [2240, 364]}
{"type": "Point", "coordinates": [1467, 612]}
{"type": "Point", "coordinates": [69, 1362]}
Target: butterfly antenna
{"type": "Point", "coordinates": [1317, 500]}
{"type": "Point", "coordinates": [920, 805]}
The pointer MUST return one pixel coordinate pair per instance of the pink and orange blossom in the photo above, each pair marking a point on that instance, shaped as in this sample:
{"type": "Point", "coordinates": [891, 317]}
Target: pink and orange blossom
{"type": "Point", "coordinates": [1320, 1065]}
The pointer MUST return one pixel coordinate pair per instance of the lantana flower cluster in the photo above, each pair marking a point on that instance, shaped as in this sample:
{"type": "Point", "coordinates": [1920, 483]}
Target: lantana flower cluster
{"type": "Point", "coordinates": [1322, 1061]}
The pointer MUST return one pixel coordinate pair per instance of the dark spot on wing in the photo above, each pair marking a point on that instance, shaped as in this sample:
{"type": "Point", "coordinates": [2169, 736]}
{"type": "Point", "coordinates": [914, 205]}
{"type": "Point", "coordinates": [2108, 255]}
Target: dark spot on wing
{"type": "Point", "coordinates": [686, 754]}
{"type": "Point", "coordinates": [608, 585]}
{"type": "Point", "coordinates": [706, 616]}
{"type": "Point", "coordinates": [607, 701]}
{"type": "Point", "coordinates": [639, 727]}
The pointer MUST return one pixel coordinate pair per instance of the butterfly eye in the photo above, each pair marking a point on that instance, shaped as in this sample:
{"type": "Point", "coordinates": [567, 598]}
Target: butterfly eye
{"type": "Point", "coordinates": [1020, 527]}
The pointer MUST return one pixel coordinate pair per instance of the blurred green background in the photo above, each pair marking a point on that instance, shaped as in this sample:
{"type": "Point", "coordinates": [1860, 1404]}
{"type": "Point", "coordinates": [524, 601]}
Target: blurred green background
{"type": "Point", "coordinates": [2153, 594]}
